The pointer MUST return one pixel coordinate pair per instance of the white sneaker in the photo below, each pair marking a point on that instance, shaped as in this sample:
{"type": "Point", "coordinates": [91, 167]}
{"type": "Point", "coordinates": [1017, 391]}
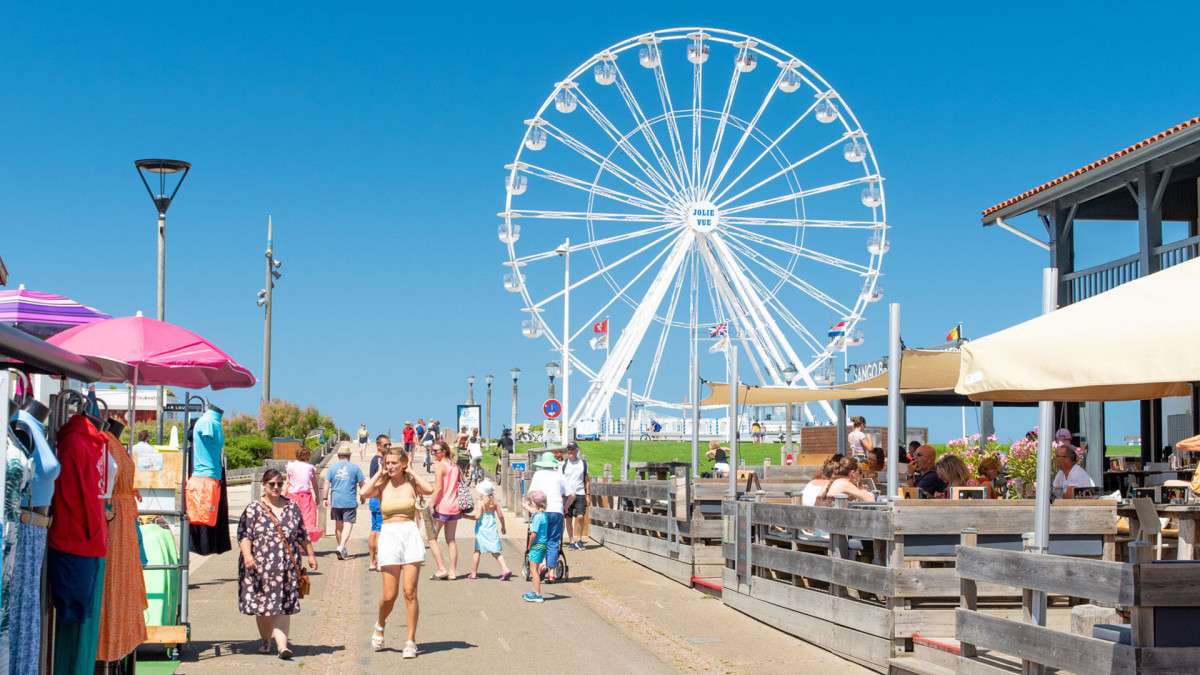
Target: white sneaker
{"type": "Point", "coordinates": [342, 553]}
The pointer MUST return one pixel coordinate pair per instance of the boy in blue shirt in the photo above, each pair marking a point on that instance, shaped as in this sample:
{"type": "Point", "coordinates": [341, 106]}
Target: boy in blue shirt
{"type": "Point", "coordinates": [538, 536]}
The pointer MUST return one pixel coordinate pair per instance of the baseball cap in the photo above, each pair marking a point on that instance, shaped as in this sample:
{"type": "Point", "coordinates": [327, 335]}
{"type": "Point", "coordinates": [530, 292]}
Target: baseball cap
{"type": "Point", "coordinates": [572, 444]}
{"type": "Point", "coordinates": [1063, 433]}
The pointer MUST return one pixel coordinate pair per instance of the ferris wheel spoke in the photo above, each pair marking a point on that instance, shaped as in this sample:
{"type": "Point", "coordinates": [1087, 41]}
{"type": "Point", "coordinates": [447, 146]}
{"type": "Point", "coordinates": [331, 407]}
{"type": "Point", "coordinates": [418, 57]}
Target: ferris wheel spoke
{"type": "Point", "coordinates": [652, 191]}
{"type": "Point", "coordinates": [666, 327]}
{"type": "Point", "coordinates": [623, 352]}
{"type": "Point", "coordinates": [598, 190]}
{"type": "Point", "coordinates": [803, 222]}
{"type": "Point", "coordinates": [725, 210]}
{"type": "Point", "coordinates": [697, 106]}
{"type": "Point", "coordinates": [779, 271]}
{"type": "Point", "coordinates": [621, 292]}
{"type": "Point", "coordinates": [773, 302]}
{"type": "Point", "coordinates": [747, 235]}
{"type": "Point", "coordinates": [734, 303]}
{"type": "Point", "coordinates": [624, 236]}
{"type": "Point", "coordinates": [595, 216]}
{"type": "Point", "coordinates": [647, 131]}
{"type": "Point", "coordinates": [720, 132]}
{"type": "Point", "coordinates": [664, 96]}
{"type": "Point", "coordinates": [659, 179]}
{"type": "Point", "coordinates": [767, 150]}
{"type": "Point", "coordinates": [764, 324]}
{"type": "Point", "coordinates": [746, 133]}
{"type": "Point", "coordinates": [607, 267]}
{"type": "Point", "coordinates": [785, 170]}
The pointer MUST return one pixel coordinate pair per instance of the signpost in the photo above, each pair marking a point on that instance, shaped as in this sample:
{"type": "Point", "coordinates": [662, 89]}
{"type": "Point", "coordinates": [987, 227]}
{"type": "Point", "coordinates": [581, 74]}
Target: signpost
{"type": "Point", "coordinates": [180, 407]}
{"type": "Point", "coordinates": [468, 417]}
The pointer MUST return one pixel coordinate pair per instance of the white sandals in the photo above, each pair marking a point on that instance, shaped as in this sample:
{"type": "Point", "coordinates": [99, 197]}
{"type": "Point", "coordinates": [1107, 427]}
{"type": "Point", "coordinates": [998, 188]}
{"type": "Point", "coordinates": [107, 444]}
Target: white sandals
{"type": "Point", "coordinates": [377, 638]}
{"type": "Point", "coordinates": [410, 650]}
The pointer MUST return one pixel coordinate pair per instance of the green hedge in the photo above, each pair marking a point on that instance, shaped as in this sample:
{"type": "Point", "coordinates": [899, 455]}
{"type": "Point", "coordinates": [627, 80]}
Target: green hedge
{"type": "Point", "coordinates": [245, 452]}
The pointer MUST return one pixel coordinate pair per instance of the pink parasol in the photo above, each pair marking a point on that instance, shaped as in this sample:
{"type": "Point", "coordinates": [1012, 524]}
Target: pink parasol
{"type": "Point", "coordinates": [143, 351]}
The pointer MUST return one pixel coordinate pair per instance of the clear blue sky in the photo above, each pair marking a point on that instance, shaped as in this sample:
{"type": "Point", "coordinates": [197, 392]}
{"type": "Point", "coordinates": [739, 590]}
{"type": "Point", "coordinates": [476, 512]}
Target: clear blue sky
{"type": "Point", "coordinates": [375, 134]}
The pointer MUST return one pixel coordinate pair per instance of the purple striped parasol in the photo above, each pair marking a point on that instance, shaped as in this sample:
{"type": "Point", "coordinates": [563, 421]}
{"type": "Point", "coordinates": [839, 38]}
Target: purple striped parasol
{"type": "Point", "coordinates": [44, 314]}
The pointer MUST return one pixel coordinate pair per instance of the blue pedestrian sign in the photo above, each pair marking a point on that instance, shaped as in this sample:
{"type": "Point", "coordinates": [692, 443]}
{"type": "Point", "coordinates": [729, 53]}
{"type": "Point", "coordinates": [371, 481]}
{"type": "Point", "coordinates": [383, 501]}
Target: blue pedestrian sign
{"type": "Point", "coordinates": [552, 408]}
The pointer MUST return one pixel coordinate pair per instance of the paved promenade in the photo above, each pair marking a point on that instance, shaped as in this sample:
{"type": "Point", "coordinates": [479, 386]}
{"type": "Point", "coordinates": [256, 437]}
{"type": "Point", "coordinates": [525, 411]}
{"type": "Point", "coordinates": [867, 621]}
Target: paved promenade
{"type": "Point", "coordinates": [611, 614]}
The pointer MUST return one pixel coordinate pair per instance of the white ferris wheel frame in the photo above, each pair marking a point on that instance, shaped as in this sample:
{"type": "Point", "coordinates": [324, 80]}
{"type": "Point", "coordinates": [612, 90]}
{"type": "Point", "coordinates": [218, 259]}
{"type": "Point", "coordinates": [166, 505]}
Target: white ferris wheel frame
{"type": "Point", "coordinates": [670, 181]}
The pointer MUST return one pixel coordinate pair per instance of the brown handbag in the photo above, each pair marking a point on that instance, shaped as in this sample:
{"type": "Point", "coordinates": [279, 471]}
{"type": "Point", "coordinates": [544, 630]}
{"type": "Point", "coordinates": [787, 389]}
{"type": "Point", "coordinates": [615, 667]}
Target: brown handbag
{"type": "Point", "coordinates": [302, 576]}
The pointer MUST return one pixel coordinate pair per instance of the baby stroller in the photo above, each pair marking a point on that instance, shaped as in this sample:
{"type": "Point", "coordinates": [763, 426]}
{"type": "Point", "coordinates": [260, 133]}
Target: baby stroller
{"type": "Point", "coordinates": [561, 570]}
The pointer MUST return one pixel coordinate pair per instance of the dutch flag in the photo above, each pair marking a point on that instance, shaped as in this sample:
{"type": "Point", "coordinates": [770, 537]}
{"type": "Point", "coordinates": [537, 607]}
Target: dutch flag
{"type": "Point", "coordinates": [838, 330]}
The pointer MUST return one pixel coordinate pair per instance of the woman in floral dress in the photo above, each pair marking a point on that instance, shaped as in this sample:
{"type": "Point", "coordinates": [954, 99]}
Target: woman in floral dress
{"type": "Point", "coordinates": [271, 536]}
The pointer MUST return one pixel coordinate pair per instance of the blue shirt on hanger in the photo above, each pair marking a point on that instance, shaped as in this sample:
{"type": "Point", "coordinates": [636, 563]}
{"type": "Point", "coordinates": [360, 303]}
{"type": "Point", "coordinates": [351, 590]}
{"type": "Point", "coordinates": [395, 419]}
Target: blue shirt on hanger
{"type": "Point", "coordinates": [208, 442]}
{"type": "Point", "coordinates": [45, 464]}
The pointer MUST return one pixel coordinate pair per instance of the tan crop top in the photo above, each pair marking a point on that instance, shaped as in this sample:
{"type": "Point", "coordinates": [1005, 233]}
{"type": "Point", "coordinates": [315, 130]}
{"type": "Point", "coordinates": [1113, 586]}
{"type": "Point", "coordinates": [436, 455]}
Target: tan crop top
{"type": "Point", "coordinates": [398, 503]}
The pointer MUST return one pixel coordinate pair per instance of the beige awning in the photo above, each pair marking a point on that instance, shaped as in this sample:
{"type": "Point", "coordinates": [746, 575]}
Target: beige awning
{"type": "Point", "coordinates": [921, 372]}
{"type": "Point", "coordinates": [1140, 340]}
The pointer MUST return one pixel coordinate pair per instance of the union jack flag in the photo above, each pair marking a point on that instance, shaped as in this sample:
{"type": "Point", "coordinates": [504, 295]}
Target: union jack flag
{"type": "Point", "coordinates": [719, 330]}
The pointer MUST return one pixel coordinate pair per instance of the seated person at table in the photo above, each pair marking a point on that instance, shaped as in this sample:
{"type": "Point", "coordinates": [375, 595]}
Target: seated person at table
{"type": "Point", "coordinates": [953, 471]}
{"type": "Point", "coordinates": [924, 477]}
{"type": "Point", "coordinates": [812, 491]}
{"type": "Point", "coordinates": [876, 464]}
{"type": "Point", "coordinates": [988, 469]}
{"type": "Point", "coordinates": [720, 458]}
{"type": "Point", "coordinates": [1070, 475]}
{"type": "Point", "coordinates": [844, 481]}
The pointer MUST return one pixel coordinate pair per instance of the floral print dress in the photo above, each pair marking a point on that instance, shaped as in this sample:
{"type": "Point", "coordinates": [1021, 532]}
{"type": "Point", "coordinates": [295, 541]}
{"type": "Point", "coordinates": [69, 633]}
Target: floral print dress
{"type": "Point", "coordinates": [273, 588]}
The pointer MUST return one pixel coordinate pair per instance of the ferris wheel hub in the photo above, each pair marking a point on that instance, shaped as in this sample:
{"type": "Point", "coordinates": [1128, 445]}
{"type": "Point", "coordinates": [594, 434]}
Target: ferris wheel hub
{"type": "Point", "coordinates": [702, 216]}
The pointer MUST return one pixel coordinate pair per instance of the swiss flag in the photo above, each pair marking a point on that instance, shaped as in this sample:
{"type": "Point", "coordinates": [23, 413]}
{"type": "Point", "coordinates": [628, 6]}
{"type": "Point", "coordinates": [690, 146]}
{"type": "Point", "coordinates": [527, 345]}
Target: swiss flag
{"type": "Point", "coordinates": [600, 327]}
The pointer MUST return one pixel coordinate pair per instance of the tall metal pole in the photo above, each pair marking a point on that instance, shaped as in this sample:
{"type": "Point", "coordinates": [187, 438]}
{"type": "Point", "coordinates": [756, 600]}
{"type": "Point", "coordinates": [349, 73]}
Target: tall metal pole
{"type": "Point", "coordinates": [566, 350]}
{"type": "Point", "coordinates": [895, 433]}
{"type": "Point", "coordinates": [628, 428]}
{"type": "Point", "coordinates": [514, 410]}
{"type": "Point", "coordinates": [489, 410]}
{"type": "Point", "coordinates": [1041, 519]}
{"type": "Point", "coordinates": [733, 421]}
{"type": "Point", "coordinates": [162, 310]}
{"type": "Point", "coordinates": [695, 394]}
{"type": "Point", "coordinates": [266, 396]}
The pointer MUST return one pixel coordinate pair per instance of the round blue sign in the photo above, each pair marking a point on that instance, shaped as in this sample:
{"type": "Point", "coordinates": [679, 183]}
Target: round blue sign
{"type": "Point", "coordinates": [552, 408]}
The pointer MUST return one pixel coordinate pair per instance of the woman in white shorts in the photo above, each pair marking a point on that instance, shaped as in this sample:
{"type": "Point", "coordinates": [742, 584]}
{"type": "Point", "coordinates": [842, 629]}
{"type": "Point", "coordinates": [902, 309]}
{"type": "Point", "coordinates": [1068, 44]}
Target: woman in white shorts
{"type": "Point", "coordinates": [401, 548]}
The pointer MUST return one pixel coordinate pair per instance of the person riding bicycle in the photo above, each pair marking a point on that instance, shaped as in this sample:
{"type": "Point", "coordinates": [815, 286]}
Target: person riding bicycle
{"type": "Point", "coordinates": [464, 456]}
{"type": "Point", "coordinates": [475, 452]}
{"type": "Point", "coordinates": [505, 443]}
{"type": "Point", "coordinates": [655, 428]}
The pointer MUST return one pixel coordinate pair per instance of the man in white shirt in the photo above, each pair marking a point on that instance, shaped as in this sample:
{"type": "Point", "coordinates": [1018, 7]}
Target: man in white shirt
{"type": "Point", "coordinates": [143, 444]}
{"type": "Point", "coordinates": [1070, 475]}
{"type": "Point", "coordinates": [574, 471]}
{"type": "Point", "coordinates": [548, 479]}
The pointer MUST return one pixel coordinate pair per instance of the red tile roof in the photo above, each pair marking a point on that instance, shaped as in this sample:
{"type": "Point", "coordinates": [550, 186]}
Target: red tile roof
{"type": "Point", "coordinates": [1093, 165]}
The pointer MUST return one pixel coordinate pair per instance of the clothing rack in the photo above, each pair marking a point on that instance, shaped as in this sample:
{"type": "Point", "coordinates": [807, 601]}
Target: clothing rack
{"type": "Point", "coordinates": [175, 636]}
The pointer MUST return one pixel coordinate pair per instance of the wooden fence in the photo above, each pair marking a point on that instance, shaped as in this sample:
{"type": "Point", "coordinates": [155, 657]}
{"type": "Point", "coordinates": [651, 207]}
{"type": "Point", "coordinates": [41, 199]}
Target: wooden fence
{"type": "Point", "coordinates": [1155, 594]}
{"type": "Point", "coordinates": [861, 582]}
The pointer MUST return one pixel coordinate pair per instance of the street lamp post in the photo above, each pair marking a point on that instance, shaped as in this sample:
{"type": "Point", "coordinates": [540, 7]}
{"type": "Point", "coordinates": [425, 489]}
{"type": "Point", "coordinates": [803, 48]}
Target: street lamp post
{"type": "Point", "coordinates": [164, 168]}
{"type": "Point", "coordinates": [470, 390]}
{"type": "Point", "coordinates": [488, 379]}
{"type": "Point", "coordinates": [265, 300]}
{"type": "Point", "coordinates": [564, 251]}
{"type": "Point", "coordinates": [515, 372]}
{"type": "Point", "coordinates": [552, 369]}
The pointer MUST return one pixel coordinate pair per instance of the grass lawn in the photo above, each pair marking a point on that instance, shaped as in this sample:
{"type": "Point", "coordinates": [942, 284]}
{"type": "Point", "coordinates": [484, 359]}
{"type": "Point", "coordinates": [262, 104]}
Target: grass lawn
{"type": "Point", "coordinates": [598, 453]}
{"type": "Point", "coordinates": [1123, 451]}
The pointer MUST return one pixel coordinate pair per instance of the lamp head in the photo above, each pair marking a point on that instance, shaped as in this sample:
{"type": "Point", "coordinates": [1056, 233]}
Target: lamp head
{"type": "Point", "coordinates": [471, 380]}
{"type": "Point", "coordinates": [277, 263]}
{"type": "Point", "coordinates": [515, 372]}
{"type": "Point", "coordinates": [562, 249]}
{"type": "Point", "coordinates": [488, 379]}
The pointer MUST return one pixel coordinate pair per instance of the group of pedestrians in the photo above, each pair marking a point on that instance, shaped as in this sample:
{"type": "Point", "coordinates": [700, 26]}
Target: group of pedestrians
{"type": "Point", "coordinates": [276, 532]}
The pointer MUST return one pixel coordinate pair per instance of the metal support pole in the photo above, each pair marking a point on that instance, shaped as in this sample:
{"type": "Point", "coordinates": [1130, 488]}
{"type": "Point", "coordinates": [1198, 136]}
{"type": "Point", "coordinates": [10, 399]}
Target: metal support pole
{"type": "Point", "coordinates": [734, 385]}
{"type": "Point", "coordinates": [565, 437]}
{"type": "Point", "coordinates": [843, 448]}
{"type": "Point", "coordinates": [628, 428]}
{"type": "Point", "coordinates": [267, 320]}
{"type": "Point", "coordinates": [787, 440]}
{"type": "Point", "coordinates": [162, 304]}
{"type": "Point", "coordinates": [514, 411]}
{"type": "Point", "coordinates": [895, 432]}
{"type": "Point", "coordinates": [1041, 521]}
{"type": "Point", "coordinates": [489, 414]}
{"type": "Point", "coordinates": [695, 394]}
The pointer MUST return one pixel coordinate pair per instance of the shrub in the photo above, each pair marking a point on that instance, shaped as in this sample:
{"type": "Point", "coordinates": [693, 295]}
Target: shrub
{"type": "Point", "coordinates": [245, 452]}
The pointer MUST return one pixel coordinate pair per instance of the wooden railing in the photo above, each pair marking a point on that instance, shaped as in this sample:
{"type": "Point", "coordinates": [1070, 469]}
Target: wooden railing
{"type": "Point", "coordinates": [1142, 586]}
{"type": "Point", "coordinates": [1095, 280]}
{"type": "Point", "coordinates": [1177, 252]}
{"type": "Point", "coordinates": [862, 582]}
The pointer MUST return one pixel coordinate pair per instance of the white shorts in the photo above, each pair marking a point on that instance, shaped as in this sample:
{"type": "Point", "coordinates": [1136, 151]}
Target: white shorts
{"type": "Point", "coordinates": [400, 544]}
{"type": "Point", "coordinates": [723, 467]}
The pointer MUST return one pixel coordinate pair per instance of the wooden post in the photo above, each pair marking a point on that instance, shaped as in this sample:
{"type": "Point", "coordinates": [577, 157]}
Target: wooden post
{"type": "Point", "coordinates": [968, 596]}
{"type": "Point", "coordinates": [1028, 667]}
{"type": "Point", "coordinates": [839, 544]}
{"type": "Point", "coordinates": [1141, 618]}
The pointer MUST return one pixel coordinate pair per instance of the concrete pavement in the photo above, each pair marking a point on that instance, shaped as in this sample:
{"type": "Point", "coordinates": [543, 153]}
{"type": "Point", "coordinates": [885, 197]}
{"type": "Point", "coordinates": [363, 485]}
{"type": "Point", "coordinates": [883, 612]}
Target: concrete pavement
{"type": "Point", "coordinates": [611, 614]}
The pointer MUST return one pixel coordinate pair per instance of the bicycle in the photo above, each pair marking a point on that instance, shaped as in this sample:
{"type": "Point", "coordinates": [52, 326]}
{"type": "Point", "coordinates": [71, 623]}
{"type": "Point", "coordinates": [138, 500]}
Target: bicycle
{"type": "Point", "coordinates": [476, 475]}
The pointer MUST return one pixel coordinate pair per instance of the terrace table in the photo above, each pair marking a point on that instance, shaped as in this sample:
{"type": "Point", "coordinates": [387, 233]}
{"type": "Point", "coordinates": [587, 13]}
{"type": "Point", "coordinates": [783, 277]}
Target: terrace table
{"type": "Point", "coordinates": [1186, 514]}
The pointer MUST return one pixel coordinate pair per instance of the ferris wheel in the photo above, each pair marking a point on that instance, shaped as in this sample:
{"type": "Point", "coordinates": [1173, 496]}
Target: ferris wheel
{"type": "Point", "coordinates": [706, 187]}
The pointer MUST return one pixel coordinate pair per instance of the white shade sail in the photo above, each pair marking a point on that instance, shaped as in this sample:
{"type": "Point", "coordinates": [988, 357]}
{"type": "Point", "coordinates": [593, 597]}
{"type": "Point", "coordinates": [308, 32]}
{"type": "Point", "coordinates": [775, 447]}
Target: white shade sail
{"type": "Point", "coordinates": [1138, 341]}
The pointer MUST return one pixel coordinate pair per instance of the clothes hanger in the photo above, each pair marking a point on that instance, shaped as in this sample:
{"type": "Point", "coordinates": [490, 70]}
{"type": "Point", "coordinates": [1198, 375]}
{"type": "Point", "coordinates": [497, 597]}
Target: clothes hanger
{"type": "Point", "coordinates": [22, 376]}
{"type": "Point", "coordinates": [212, 406]}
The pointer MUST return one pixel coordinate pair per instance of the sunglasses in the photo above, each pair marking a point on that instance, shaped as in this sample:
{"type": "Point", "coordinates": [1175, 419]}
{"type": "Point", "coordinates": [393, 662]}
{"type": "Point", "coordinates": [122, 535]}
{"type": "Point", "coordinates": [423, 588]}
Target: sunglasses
{"type": "Point", "coordinates": [275, 484]}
